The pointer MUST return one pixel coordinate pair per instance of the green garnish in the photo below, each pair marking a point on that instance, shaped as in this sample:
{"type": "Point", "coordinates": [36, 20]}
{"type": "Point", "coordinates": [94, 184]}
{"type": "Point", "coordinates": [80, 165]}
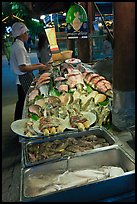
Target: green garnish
{"type": "Point", "coordinates": [104, 103]}
{"type": "Point", "coordinates": [38, 97]}
{"type": "Point", "coordinates": [89, 89]}
{"type": "Point", "coordinates": [54, 92]}
{"type": "Point", "coordinates": [34, 117]}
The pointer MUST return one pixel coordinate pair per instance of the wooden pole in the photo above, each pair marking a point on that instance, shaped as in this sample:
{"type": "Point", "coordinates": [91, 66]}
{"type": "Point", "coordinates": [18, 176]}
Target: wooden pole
{"type": "Point", "coordinates": [84, 46]}
{"type": "Point", "coordinates": [124, 46]}
{"type": "Point", "coordinates": [91, 18]}
{"type": "Point", "coordinates": [123, 109]}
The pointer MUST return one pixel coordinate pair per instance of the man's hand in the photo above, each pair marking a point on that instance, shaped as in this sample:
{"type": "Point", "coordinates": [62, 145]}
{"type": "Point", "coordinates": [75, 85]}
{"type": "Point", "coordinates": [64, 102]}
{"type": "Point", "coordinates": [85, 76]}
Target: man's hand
{"type": "Point", "coordinates": [42, 67]}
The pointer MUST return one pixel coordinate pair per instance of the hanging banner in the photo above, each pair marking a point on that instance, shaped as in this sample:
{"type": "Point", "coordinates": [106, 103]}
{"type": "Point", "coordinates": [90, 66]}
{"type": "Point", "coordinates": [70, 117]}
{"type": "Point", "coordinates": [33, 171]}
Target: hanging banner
{"type": "Point", "coordinates": [76, 20]}
{"type": "Point", "coordinates": [51, 35]}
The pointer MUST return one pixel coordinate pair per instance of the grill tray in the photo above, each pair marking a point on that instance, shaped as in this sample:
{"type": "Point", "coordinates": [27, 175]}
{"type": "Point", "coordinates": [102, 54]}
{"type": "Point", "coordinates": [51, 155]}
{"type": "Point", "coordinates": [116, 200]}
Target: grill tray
{"type": "Point", "coordinates": [99, 132]}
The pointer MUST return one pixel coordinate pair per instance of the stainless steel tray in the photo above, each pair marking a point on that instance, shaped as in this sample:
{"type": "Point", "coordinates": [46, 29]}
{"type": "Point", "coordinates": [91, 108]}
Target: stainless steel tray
{"type": "Point", "coordinates": [99, 132]}
{"type": "Point", "coordinates": [92, 191]}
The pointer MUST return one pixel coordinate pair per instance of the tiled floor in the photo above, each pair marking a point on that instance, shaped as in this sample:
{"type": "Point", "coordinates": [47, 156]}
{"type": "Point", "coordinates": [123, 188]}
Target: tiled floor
{"type": "Point", "coordinates": [11, 148]}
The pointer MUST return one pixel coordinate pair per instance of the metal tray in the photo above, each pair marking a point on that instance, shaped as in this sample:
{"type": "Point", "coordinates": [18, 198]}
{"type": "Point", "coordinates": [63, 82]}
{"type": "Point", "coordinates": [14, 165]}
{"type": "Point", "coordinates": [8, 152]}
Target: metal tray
{"type": "Point", "coordinates": [92, 191]}
{"type": "Point", "coordinates": [99, 132]}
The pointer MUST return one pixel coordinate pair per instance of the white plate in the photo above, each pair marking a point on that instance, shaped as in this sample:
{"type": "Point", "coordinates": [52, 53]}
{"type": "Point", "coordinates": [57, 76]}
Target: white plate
{"type": "Point", "coordinates": [67, 125]}
{"type": "Point", "coordinates": [36, 127]}
{"type": "Point", "coordinates": [18, 127]}
{"type": "Point", "coordinates": [89, 115]}
{"type": "Point", "coordinates": [73, 61]}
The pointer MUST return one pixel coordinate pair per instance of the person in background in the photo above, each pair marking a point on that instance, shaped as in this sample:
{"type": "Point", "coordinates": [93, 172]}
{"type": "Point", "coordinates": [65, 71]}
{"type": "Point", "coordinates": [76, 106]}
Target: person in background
{"type": "Point", "coordinates": [107, 47]}
{"type": "Point", "coordinates": [43, 49]}
{"type": "Point", "coordinates": [21, 65]}
{"type": "Point", "coordinates": [38, 53]}
{"type": "Point", "coordinates": [29, 43]}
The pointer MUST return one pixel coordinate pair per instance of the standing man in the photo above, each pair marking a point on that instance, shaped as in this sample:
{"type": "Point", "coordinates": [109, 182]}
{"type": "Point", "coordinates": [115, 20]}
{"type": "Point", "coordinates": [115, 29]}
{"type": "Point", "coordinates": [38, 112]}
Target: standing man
{"type": "Point", "coordinates": [21, 65]}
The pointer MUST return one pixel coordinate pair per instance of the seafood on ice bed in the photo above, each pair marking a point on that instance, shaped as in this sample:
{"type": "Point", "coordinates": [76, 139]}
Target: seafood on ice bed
{"type": "Point", "coordinates": [67, 98]}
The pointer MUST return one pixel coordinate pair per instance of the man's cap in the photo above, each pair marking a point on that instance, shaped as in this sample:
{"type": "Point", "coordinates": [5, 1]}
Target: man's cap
{"type": "Point", "coordinates": [18, 29]}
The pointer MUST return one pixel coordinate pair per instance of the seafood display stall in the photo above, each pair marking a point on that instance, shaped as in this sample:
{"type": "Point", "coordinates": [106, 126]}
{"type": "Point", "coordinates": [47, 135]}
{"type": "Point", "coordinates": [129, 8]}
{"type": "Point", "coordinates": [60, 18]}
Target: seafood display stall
{"type": "Point", "coordinates": [68, 151]}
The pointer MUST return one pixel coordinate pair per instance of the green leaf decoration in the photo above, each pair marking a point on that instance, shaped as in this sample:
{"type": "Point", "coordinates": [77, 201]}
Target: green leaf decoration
{"type": "Point", "coordinates": [104, 103]}
{"type": "Point", "coordinates": [34, 117]}
{"type": "Point", "coordinates": [89, 89]}
{"type": "Point", "coordinates": [38, 97]}
{"type": "Point", "coordinates": [54, 92]}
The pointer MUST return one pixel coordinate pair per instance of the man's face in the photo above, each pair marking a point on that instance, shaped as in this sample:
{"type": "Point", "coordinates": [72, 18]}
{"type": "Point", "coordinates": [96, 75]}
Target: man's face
{"type": "Point", "coordinates": [25, 36]}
